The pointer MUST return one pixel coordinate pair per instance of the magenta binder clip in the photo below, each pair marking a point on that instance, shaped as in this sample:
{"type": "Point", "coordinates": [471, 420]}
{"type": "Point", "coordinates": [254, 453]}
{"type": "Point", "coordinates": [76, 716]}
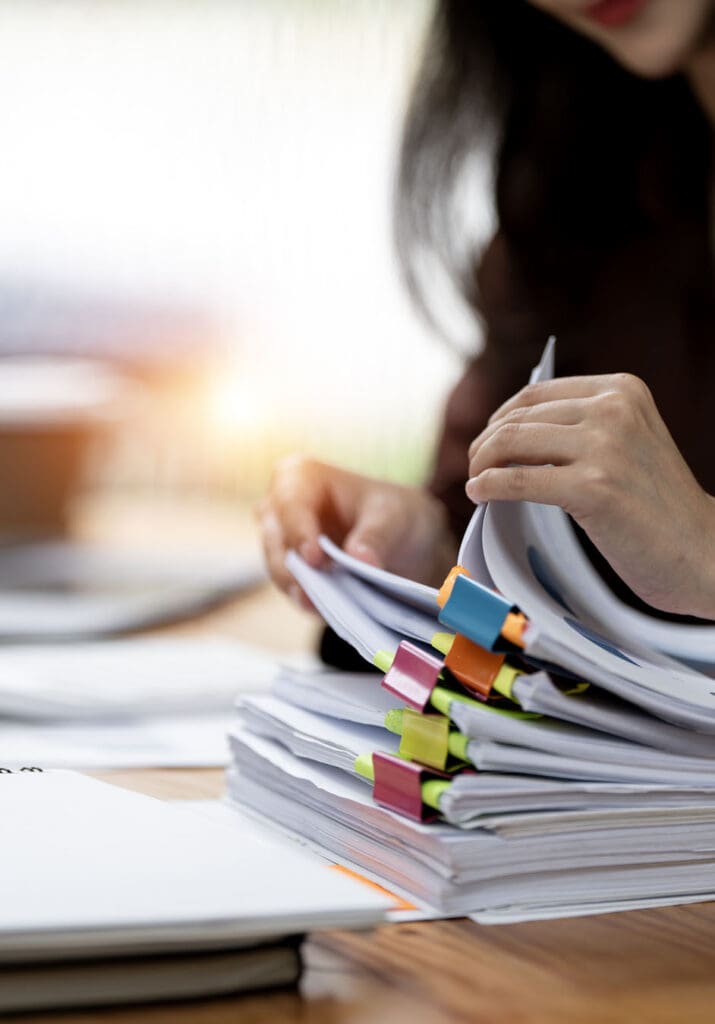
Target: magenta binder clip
{"type": "Point", "coordinates": [413, 675]}
{"type": "Point", "coordinates": [398, 786]}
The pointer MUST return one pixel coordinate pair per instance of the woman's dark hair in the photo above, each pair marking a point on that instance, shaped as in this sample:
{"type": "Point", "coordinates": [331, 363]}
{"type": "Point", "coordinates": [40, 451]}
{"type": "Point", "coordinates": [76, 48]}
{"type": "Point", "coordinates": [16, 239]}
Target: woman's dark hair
{"type": "Point", "coordinates": [586, 154]}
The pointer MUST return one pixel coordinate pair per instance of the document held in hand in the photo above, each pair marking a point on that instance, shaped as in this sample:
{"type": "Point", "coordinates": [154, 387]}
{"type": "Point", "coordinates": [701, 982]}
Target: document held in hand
{"type": "Point", "coordinates": [528, 749]}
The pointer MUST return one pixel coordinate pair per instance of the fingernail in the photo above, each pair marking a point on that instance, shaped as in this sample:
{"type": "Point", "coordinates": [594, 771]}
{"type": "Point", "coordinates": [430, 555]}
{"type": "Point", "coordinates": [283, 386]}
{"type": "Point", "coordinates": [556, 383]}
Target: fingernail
{"type": "Point", "coordinates": [471, 488]}
{"type": "Point", "coordinates": [365, 553]}
{"type": "Point", "coordinates": [311, 551]}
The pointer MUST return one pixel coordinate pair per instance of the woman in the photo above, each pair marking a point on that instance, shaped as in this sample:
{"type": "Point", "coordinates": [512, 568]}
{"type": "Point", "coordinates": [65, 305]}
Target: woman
{"type": "Point", "coordinates": [602, 115]}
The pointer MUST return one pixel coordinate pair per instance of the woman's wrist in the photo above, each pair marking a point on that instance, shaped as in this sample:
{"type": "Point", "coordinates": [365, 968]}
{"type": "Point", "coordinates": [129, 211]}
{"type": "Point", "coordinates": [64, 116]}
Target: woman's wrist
{"type": "Point", "coordinates": [702, 564]}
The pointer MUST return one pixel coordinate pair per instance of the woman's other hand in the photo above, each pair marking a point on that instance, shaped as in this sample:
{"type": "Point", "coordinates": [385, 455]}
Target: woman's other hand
{"type": "Point", "coordinates": [597, 447]}
{"type": "Point", "coordinates": [402, 529]}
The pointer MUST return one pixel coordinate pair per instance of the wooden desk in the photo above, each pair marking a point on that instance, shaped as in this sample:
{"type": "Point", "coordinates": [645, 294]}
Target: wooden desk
{"type": "Point", "coordinates": [655, 966]}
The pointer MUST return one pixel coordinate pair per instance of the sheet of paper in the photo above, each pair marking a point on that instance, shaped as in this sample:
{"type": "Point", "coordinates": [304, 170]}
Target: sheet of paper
{"type": "Point", "coordinates": [354, 696]}
{"type": "Point", "coordinates": [130, 678]}
{"type": "Point", "coordinates": [471, 549]}
{"type": "Point", "coordinates": [641, 676]}
{"type": "Point", "coordinates": [583, 590]}
{"type": "Point", "coordinates": [417, 594]}
{"type": "Point", "coordinates": [519, 914]}
{"type": "Point", "coordinates": [402, 907]}
{"type": "Point", "coordinates": [315, 736]}
{"type": "Point", "coordinates": [354, 625]}
{"type": "Point", "coordinates": [574, 741]}
{"type": "Point", "coordinates": [492, 756]}
{"type": "Point", "coordinates": [391, 612]}
{"type": "Point", "coordinates": [597, 709]}
{"type": "Point", "coordinates": [178, 741]}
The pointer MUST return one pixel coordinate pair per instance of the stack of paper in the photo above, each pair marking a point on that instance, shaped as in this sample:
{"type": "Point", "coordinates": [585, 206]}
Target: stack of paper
{"type": "Point", "coordinates": [519, 754]}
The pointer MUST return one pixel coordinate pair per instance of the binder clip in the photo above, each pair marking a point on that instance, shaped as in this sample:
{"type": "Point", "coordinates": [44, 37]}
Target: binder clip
{"type": "Point", "coordinates": [398, 786]}
{"type": "Point", "coordinates": [413, 675]}
{"type": "Point", "coordinates": [480, 614]}
{"type": "Point", "coordinates": [482, 672]}
{"type": "Point", "coordinates": [425, 739]}
{"type": "Point", "coordinates": [474, 667]}
{"type": "Point", "coordinates": [445, 591]}
{"type": "Point", "coordinates": [430, 740]}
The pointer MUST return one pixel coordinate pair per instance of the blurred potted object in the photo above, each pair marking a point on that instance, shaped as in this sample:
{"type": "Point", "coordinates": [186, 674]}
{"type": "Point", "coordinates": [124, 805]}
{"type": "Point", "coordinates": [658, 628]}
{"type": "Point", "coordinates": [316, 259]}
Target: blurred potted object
{"type": "Point", "coordinates": [53, 411]}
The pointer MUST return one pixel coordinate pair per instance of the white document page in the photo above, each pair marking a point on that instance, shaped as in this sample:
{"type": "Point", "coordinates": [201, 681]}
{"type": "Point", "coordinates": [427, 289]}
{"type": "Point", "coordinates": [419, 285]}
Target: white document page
{"type": "Point", "coordinates": [471, 549]}
{"type": "Point", "coordinates": [352, 696]}
{"type": "Point", "coordinates": [340, 611]}
{"type": "Point", "coordinates": [126, 678]}
{"type": "Point", "coordinates": [646, 677]}
{"type": "Point", "coordinates": [160, 741]}
{"type": "Point", "coordinates": [318, 737]}
{"type": "Point", "coordinates": [417, 594]}
{"type": "Point", "coordinates": [392, 612]}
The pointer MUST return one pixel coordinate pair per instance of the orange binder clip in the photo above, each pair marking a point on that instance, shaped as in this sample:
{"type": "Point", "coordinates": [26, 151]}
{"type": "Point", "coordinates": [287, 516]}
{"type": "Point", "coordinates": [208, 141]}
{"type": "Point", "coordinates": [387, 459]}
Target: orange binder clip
{"type": "Point", "coordinates": [513, 629]}
{"type": "Point", "coordinates": [474, 667]}
{"type": "Point", "coordinates": [445, 590]}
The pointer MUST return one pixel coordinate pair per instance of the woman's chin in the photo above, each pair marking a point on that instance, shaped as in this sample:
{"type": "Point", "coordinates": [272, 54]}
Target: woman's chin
{"type": "Point", "coordinates": [651, 59]}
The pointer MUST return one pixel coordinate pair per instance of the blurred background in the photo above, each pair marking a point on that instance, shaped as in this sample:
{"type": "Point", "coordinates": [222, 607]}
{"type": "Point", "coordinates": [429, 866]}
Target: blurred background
{"type": "Point", "coordinates": [196, 263]}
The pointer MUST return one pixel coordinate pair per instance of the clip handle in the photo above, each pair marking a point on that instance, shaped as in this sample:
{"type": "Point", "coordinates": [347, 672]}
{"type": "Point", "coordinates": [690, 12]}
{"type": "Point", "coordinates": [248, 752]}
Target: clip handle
{"type": "Point", "coordinates": [425, 738]}
{"type": "Point", "coordinates": [476, 612]}
{"type": "Point", "coordinates": [413, 675]}
{"type": "Point", "coordinates": [431, 789]}
{"type": "Point", "coordinates": [398, 786]}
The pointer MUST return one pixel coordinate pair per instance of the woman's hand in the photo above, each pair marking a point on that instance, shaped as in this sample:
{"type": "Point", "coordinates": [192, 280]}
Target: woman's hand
{"type": "Point", "coordinates": [598, 447]}
{"type": "Point", "coordinates": [402, 529]}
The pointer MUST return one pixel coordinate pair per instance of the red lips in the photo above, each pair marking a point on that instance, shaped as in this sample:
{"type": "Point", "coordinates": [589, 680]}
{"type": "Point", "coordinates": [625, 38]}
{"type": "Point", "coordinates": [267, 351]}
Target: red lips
{"type": "Point", "coordinates": [613, 13]}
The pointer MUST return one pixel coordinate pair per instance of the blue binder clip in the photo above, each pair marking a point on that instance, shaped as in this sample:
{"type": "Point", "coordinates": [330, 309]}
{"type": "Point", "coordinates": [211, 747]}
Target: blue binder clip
{"type": "Point", "coordinates": [476, 612]}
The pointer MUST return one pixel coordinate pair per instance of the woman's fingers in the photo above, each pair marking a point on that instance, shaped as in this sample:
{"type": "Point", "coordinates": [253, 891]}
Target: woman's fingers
{"type": "Point", "coordinates": [589, 421]}
{"type": "Point", "coordinates": [378, 528]}
{"type": "Point", "coordinates": [296, 497]}
{"type": "Point", "coordinates": [528, 443]}
{"type": "Point", "coordinates": [575, 387]}
{"type": "Point", "coordinates": [274, 550]}
{"type": "Point", "coordinates": [290, 519]}
{"type": "Point", "coordinates": [547, 485]}
{"type": "Point", "coordinates": [308, 498]}
{"type": "Point", "coordinates": [566, 412]}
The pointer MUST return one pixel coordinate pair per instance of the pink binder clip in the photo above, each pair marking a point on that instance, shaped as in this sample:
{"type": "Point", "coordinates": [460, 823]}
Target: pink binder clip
{"type": "Point", "coordinates": [413, 675]}
{"type": "Point", "coordinates": [398, 786]}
